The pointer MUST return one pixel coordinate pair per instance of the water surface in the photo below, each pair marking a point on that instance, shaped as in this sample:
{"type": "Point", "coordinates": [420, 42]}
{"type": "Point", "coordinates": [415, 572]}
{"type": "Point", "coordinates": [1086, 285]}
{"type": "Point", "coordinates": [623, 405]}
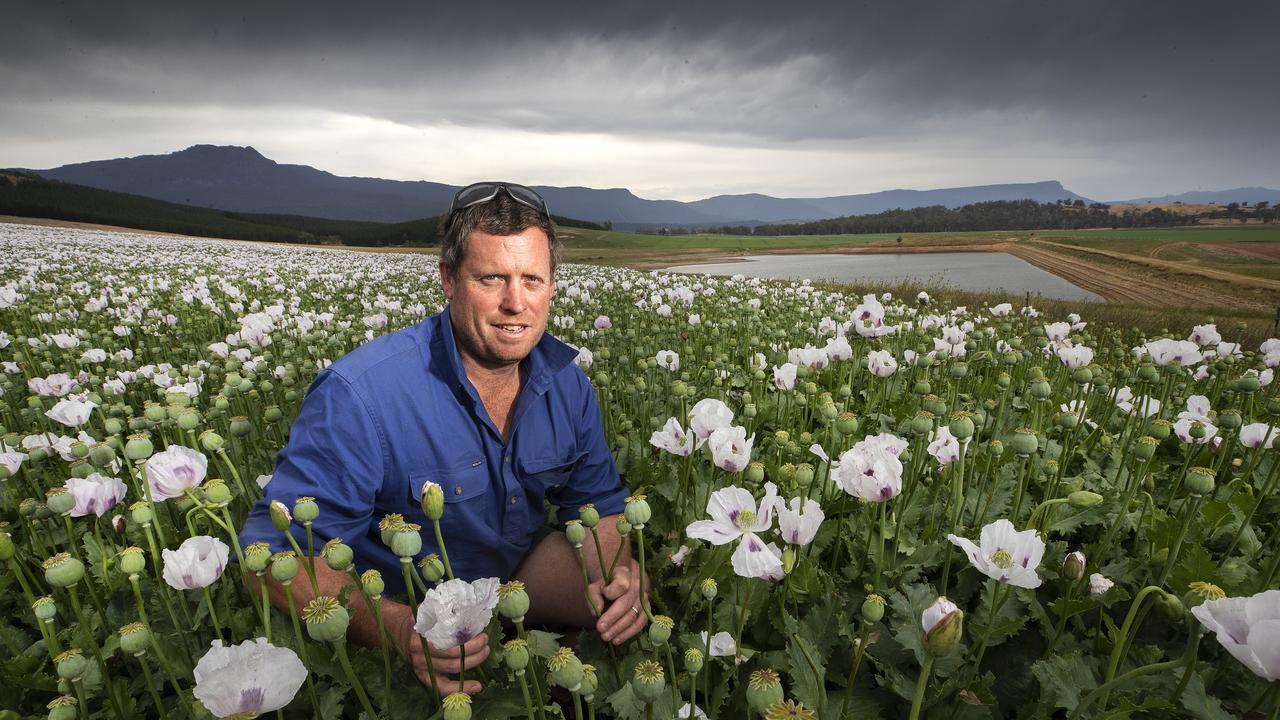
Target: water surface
{"type": "Point", "coordinates": [976, 271]}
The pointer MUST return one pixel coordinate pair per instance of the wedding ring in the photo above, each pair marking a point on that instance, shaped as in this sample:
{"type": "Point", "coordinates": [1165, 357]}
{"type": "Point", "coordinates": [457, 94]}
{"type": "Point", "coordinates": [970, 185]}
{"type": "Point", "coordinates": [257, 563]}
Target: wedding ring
{"type": "Point", "coordinates": [635, 610]}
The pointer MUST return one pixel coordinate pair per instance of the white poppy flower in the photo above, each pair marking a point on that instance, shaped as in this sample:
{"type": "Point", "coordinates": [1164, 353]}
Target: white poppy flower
{"type": "Point", "coordinates": [177, 469]}
{"type": "Point", "coordinates": [668, 359]}
{"type": "Point", "coordinates": [1249, 629]}
{"type": "Point", "coordinates": [1259, 435]}
{"type": "Point", "coordinates": [251, 679]}
{"type": "Point", "coordinates": [734, 515]}
{"type": "Point", "coordinates": [70, 412]}
{"type": "Point", "coordinates": [455, 611]}
{"type": "Point", "coordinates": [881, 363]}
{"type": "Point", "coordinates": [943, 446]}
{"type": "Point", "coordinates": [799, 520]}
{"type": "Point", "coordinates": [95, 494]}
{"type": "Point", "coordinates": [709, 415]}
{"type": "Point", "coordinates": [730, 448]}
{"type": "Point", "coordinates": [784, 376]}
{"type": "Point", "coordinates": [1005, 554]}
{"type": "Point", "coordinates": [870, 470]}
{"type": "Point", "coordinates": [674, 439]}
{"type": "Point", "coordinates": [197, 563]}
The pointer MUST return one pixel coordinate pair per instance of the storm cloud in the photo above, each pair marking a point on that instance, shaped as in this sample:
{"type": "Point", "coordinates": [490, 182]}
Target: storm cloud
{"type": "Point", "coordinates": [684, 101]}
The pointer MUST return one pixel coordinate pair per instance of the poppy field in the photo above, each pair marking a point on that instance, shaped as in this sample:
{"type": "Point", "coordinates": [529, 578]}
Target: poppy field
{"type": "Point", "coordinates": [848, 505]}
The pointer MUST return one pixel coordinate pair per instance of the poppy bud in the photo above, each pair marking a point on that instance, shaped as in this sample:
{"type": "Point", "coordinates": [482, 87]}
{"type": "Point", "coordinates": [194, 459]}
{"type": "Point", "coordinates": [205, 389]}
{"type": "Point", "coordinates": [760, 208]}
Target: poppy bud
{"type": "Point", "coordinates": [513, 601]}
{"type": "Point", "coordinates": [280, 516]}
{"type": "Point", "coordinates": [589, 516]}
{"type": "Point", "coordinates": [211, 441]}
{"type": "Point", "coordinates": [575, 533]}
{"type": "Point", "coordinates": [763, 689]}
{"type": "Point", "coordinates": [132, 561]}
{"type": "Point", "coordinates": [45, 608]}
{"type": "Point", "coordinates": [1200, 481]}
{"type": "Point", "coordinates": [648, 683]}
{"type": "Point", "coordinates": [943, 624]}
{"type": "Point", "coordinates": [755, 472]}
{"type": "Point", "coordinates": [337, 555]}
{"type": "Point", "coordinates": [1073, 566]}
{"type": "Point", "coordinates": [326, 619]}
{"type": "Point", "coordinates": [140, 513]}
{"type": "Point", "coordinates": [708, 589]}
{"type": "Point", "coordinates": [372, 583]}
{"type": "Point", "coordinates": [118, 524]}
{"type": "Point", "coordinates": [62, 570]}
{"type": "Point", "coordinates": [1084, 499]}
{"type": "Point", "coordinates": [432, 499]}
{"type": "Point", "coordinates": [1169, 605]}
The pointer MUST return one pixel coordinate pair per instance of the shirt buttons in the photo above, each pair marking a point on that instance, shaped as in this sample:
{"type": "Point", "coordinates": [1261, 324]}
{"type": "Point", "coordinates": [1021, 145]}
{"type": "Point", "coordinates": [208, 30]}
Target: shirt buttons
{"type": "Point", "coordinates": [513, 499]}
{"type": "Point", "coordinates": [457, 490]}
{"type": "Point", "coordinates": [506, 459]}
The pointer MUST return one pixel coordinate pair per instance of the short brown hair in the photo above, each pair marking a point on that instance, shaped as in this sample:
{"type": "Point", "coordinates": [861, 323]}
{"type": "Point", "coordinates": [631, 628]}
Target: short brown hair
{"type": "Point", "coordinates": [499, 216]}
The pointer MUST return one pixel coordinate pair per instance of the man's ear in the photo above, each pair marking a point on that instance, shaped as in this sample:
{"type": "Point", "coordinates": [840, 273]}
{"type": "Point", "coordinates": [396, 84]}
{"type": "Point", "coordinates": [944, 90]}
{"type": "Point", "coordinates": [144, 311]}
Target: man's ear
{"type": "Point", "coordinates": [446, 281]}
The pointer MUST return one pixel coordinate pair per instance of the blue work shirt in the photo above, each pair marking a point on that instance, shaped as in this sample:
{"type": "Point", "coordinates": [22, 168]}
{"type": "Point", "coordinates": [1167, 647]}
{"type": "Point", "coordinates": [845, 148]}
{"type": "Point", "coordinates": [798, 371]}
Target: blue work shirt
{"type": "Point", "coordinates": [399, 411]}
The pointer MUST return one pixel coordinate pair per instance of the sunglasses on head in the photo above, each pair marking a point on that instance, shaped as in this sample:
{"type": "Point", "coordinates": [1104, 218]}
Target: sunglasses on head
{"type": "Point", "coordinates": [483, 192]}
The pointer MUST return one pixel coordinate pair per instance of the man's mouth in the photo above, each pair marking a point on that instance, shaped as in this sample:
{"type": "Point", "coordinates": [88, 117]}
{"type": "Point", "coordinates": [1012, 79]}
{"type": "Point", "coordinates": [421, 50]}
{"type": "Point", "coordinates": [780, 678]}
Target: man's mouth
{"type": "Point", "coordinates": [512, 329]}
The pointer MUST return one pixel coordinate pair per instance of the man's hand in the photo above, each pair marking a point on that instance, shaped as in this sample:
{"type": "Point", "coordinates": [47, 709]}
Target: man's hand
{"type": "Point", "coordinates": [446, 663]}
{"type": "Point", "coordinates": [621, 614]}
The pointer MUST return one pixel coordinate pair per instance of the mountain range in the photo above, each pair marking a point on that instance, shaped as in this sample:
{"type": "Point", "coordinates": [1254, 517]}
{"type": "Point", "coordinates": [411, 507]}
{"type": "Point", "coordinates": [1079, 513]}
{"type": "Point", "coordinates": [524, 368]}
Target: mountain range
{"type": "Point", "coordinates": [241, 179]}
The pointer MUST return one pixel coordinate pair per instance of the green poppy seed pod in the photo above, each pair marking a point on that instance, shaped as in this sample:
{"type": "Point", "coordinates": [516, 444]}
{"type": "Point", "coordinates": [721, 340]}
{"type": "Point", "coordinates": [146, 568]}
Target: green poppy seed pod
{"type": "Point", "coordinates": [372, 583]}
{"type": "Point", "coordinates": [284, 566]}
{"type": "Point", "coordinates": [70, 664]}
{"type": "Point", "coordinates": [764, 689]}
{"type": "Point", "coordinates": [457, 706]}
{"type": "Point", "coordinates": [1273, 406]}
{"type": "Point", "coordinates": [589, 516]}
{"type": "Point", "coordinates": [995, 449]}
{"type": "Point", "coordinates": [623, 526]}
{"type": "Point", "coordinates": [280, 516]}
{"type": "Point", "coordinates": [1024, 442]}
{"type": "Point", "coordinates": [1084, 499]}
{"type": "Point", "coordinates": [781, 437]}
{"type": "Point", "coordinates": [1002, 379]}
{"type": "Point", "coordinates": [44, 608]}
{"type": "Point", "coordinates": [962, 425]}
{"type": "Point", "coordinates": [155, 412]}
{"type": "Point", "coordinates": [221, 402]}
{"type": "Point", "coordinates": [708, 589]}
{"type": "Point", "coordinates": [755, 472]}
{"type": "Point", "coordinates": [873, 608]}
{"type": "Point", "coordinates": [1148, 372]}
{"type": "Point", "coordinates": [211, 441]}
{"type": "Point", "coordinates": [326, 619]}
{"type": "Point", "coordinates": [787, 473]}
{"type": "Point", "coordinates": [1068, 420]}
{"type": "Point", "coordinates": [1230, 419]}
{"type": "Point", "coordinates": [432, 568]}
{"type": "Point", "coordinates": [922, 422]}
{"type": "Point", "coordinates": [935, 405]}
{"type": "Point", "coordinates": [590, 682]}
{"type": "Point", "coordinates": [1073, 566]}
{"type": "Point", "coordinates": [140, 513]}
{"type": "Point", "coordinates": [113, 426]}
{"type": "Point", "coordinates": [660, 629]}
{"type": "Point", "coordinates": [101, 455]}
{"type": "Point", "coordinates": [694, 660]}
{"type": "Point", "coordinates": [64, 707]}
{"type": "Point", "coordinates": [513, 601]}
{"type": "Point", "coordinates": [1169, 605]}
{"type": "Point", "coordinates": [135, 638]}
{"type": "Point", "coordinates": [273, 412]}
{"type": "Point", "coordinates": [566, 669]}
{"type": "Point", "coordinates": [804, 474]}
{"type": "Point", "coordinates": [38, 455]}
{"type": "Point", "coordinates": [337, 555]}
{"type": "Point", "coordinates": [1248, 384]}
{"type": "Point", "coordinates": [1200, 481]}
{"type": "Point", "coordinates": [678, 388]}
{"type": "Point", "coordinates": [1145, 448]}
{"type": "Point", "coordinates": [516, 655]}
{"type": "Point", "coordinates": [138, 447]}
{"type": "Point", "coordinates": [188, 418]}
{"type": "Point", "coordinates": [1082, 375]}
{"type": "Point", "coordinates": [788, 559]}
{"type": "Point", "coordinates": [1040, 390]}
{"type": "Point", "coordinates": [750, 410]}
{"type": "Point", "coordinates": [7, 548]}
{"type": "Point", "coordinates": [432, 500]}
{"type": "Point", "coordinates": [59, 501]}
{"type": "Point", "coordinates": [649, 682]}
{"type": "Point", "coordinates": [256, 557]}
{"type": "Point", "coordinates": [132, 561]}
{"type": "Point", "coordinates": [62, 570]}
{"type": "Point", "coordinates": [637, 511]}
{"type": "Point", "coordinates": [80, 469]}
{"type": "Point", "coordinates": [942, 638]}
{"type": "Point", "coordinates": [305, 509]}
{"type": "Point", "coordinates": [388, 526]}
{"type": "Point", "coordinates": [847, 423]}
{"type": "Point", "coordinates": [240, 426]}
{"type": "Point", "coordinates": [1199, 592]}
{"type": "Point", "coordinates": [407, 540]}
{"type": "Point", "coordinates": [575, 533]}
{"type": "Point", "coordinates": [216, 491]}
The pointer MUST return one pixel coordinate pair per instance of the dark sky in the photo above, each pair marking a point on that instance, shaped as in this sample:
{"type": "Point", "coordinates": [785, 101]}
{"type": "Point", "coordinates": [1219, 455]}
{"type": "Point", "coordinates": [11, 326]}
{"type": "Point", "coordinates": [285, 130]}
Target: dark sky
{"type": "Point", "coordinates": [1116, 99]}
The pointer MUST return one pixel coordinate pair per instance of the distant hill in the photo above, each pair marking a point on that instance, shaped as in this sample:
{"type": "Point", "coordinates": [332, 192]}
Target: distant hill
{"type": "Point", "coordinates": [241, 179]}
{"type": "Point", "coordinates": [1221, 197]}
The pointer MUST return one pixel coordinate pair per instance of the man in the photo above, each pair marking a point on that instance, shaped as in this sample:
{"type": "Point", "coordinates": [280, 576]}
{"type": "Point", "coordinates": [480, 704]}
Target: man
{"type": "Point", "coordinates": [480, 400]}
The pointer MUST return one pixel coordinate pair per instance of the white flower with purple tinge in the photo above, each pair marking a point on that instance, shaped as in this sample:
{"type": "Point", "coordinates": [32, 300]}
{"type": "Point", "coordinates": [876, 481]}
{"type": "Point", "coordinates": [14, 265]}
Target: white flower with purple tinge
{"type": "Point", "coordinates": [1144, 405]}
{"type": "Point", "coordinates": [1249, 629]}
{"type": "Point", "coordinates": [784, 376]}
{"type": "Point", "coordinates": [798, 521]}
{"type": "Point", "coordinates": [735, 515]}
{"type": "Point", "coordinates": [1005, 554]}
{"type": "Point", "coordinates": [1259, 435]}
{"type": "Point", "coordinates": [71, 412]}
{"type": "Point", "coordinates": [1169, 352]}
{"type": "Point", "coordinates": [455, 611]}
{"type": "Point", "coordinates": [603, 322]}
{"type": "Point", "coordinates": [197, 563]}
{"type": "Point", "coordinates": [731, 448]}
{"type": "Point", "coordinates": [1197, 412]}
{"type": "Point", "coordinates": [250, 679]}
{"type": "Point", "coordinates": [943, 446]}
{"type": "Point", "coordinates": [881, 363]}
{"type": "Point", "coordinates": [674, 439]}
{"type": "Point", "coordinates": [174, 471]}
{"type": "Point", "coordinates": [668, 359]}
{"type": "Point", "coordinates": [95, 494]}
{"type": "Point", "coordinates": [870, 470]}
{"type": "Point", "coordinates": [1205, 335]}
{"type": "Point", "coordinates": [708, 415]}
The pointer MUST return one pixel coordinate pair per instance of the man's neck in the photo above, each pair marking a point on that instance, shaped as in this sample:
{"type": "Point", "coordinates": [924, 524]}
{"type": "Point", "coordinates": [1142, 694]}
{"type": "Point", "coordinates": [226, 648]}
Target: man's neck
{"type": "Point", "coordinates": [485, 376]}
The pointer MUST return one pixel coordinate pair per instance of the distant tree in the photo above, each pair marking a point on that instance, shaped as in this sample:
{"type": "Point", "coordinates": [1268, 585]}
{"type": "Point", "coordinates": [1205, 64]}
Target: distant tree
{"type": "Point", "coordinates": [1078, 203]}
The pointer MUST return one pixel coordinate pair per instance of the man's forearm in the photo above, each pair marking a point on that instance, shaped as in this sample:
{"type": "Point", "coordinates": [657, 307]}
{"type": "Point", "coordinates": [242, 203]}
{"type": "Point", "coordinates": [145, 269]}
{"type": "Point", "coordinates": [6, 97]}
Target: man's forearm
{"type": "Point", "coordinates": [364, 627]}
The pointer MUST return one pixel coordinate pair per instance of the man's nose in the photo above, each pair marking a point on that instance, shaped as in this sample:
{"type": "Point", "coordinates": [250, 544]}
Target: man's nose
{"type": "Point", "coordinates": [514, 298]}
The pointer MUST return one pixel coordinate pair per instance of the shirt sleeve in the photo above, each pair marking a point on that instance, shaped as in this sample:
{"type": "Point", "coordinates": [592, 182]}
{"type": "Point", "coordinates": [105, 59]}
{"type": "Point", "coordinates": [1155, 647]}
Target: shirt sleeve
{"type": "Point", "coordinates": [595, 477]}
{"type": "Point", "coordinates": [335, 454]}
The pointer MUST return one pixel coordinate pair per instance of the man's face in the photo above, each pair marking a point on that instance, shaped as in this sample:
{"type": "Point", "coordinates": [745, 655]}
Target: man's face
{"type": "Point", "coordinates": [500, 296]}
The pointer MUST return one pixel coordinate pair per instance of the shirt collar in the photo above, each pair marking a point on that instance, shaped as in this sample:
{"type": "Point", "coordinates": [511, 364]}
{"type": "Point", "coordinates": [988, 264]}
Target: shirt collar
{"type": "Point", "coordinates": [547, 358]}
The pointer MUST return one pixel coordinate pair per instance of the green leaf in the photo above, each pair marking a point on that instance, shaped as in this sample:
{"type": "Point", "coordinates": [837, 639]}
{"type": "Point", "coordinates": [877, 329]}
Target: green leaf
{"type": "Point", "coordinates": [626, 704]}
{"type": "Point", "coordinates": [542, 644]}
{"type": "Point", "coordinates": [331, 703]}
{"type": "Point", "coordinates": [498, 703]}
{"type": "Point", "coordinates": [96, 558]}
{"type": "Point", "coordinates": [807, 672]}
{"type": "Point", "coordinates": [1195, 564]}
{"type": "Point", "coordinates": [1200, 703]}
{"type": "Point", "coordinates": [1063, 679]}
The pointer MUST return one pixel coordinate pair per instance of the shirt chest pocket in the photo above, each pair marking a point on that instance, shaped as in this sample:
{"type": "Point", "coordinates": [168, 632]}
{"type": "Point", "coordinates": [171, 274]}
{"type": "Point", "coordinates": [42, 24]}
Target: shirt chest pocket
{"type": "Point", "coordinates": [466, 493]}
{"type": "Point", "coordinates": [545, 475]}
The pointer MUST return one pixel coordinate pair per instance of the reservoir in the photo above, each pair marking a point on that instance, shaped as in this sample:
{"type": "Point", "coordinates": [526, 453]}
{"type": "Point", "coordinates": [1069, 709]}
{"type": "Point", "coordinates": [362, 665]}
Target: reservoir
{"type": "Point", "coordinates": [975, 271]}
